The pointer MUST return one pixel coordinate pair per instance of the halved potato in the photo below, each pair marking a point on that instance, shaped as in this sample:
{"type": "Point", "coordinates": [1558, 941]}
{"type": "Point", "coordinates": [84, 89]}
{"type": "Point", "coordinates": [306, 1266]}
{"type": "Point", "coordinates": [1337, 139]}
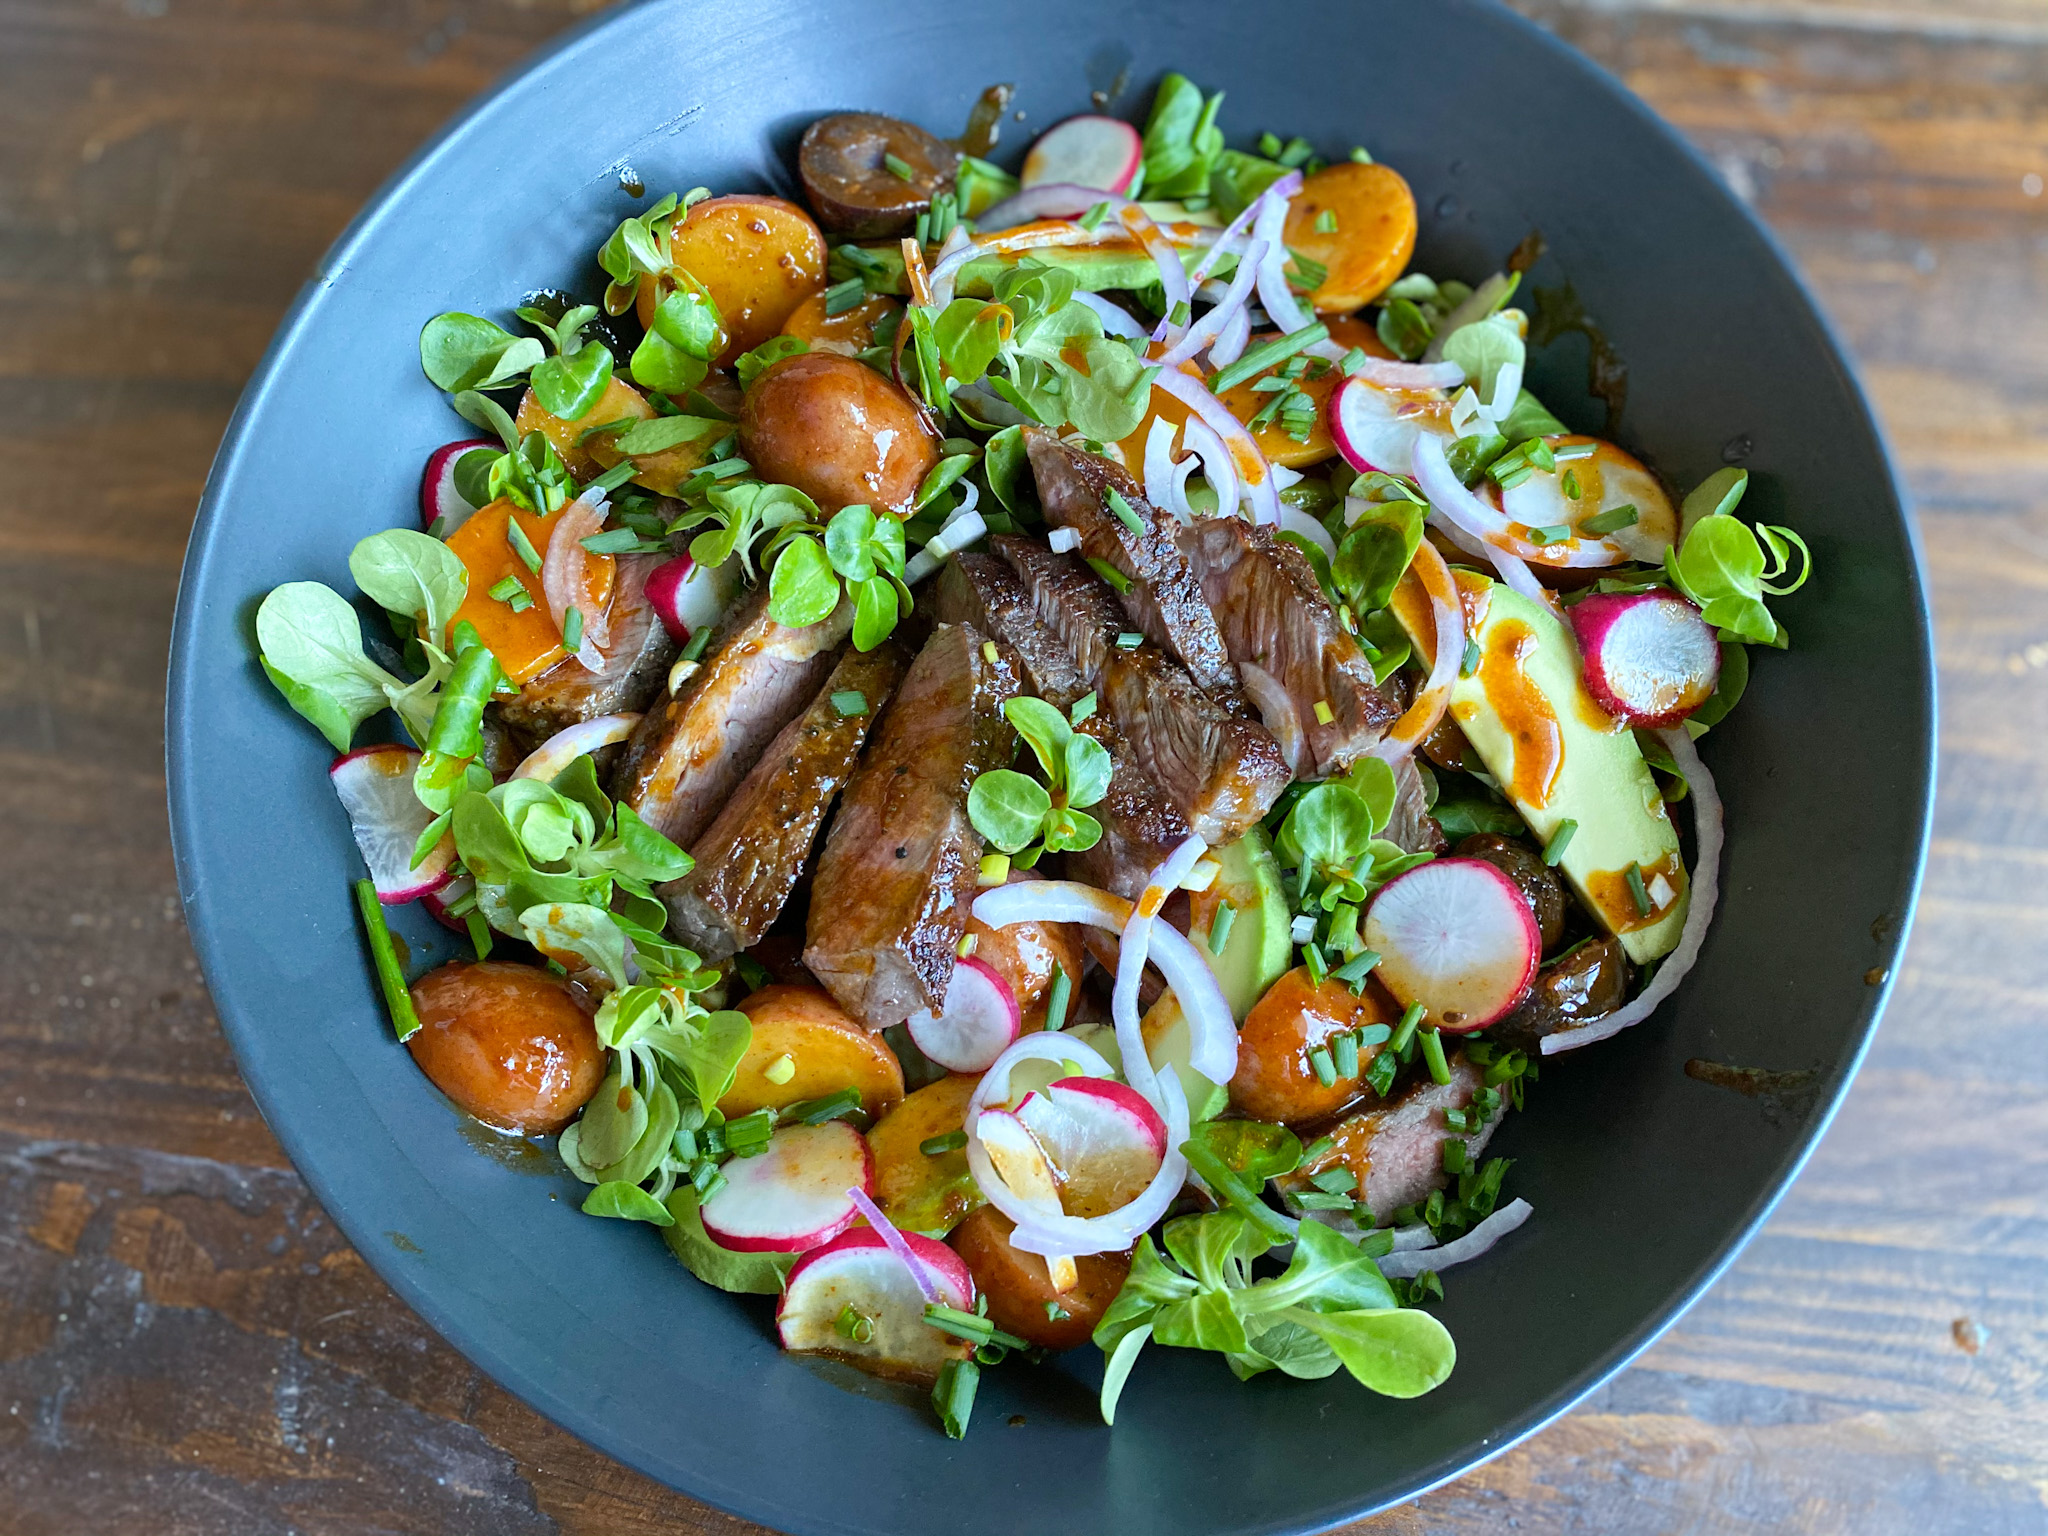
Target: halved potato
{"type": "Point", "coordinates": [1276, 1078]}
{"type": "Point", "coordinates": [758, 257]}
{"type": "Point", "coordinates": [801, 1032]}
{"type": "Point", "coordinates": [1367, 238]}
{"type": "Point", "coordinates": [1019, 1286]}
{"type": "Point", "coordinates": [919, 1191]}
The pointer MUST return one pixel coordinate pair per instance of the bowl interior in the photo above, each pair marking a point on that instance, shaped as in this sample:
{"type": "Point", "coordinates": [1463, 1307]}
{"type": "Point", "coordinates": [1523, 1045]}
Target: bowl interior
{"type": "Point", "coordinates": [1644, 1179]}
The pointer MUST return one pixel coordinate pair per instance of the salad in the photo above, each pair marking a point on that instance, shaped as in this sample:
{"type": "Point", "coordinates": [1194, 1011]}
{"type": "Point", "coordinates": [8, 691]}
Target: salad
{"type": "Point", "coordinates": [1034, 762]}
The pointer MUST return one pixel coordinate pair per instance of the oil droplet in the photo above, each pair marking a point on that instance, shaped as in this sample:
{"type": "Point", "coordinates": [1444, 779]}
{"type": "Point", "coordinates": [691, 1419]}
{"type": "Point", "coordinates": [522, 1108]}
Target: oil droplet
{"type": "Point", "coordinates": [1447, 206]}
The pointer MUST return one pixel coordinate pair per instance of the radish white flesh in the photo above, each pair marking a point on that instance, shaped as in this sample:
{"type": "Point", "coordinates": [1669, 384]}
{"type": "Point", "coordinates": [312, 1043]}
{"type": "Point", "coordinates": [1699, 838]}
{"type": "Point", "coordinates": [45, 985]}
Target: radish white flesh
{"type": "Point", "coordinates": [1375, 427]}
{"type": "Point", "coordinates": [438, 902]}
{"type": "Point", "coordinates": [1025, 1167]}
{"type": "Point", "coordinates": [1456, 936]}
{"type": "Point", "coordinates": [438, 497]}
{"type": "Point", "coordinates": [1087, 151]}
{"type": "Point", "coordinates": [564, 747]}
{"type": "Point", "coordinates": [887, 1335]}
{"type": "Point", "coordinates": [979, 1020]}
{"type": "Point", "coordinates": [687, 596]}
{"type": "Point", "coordinates": [375, 786]}
{"type": "Point", "coordinates": [1651, 660]}
{"type": "Point", "coordinates": [791, 1198]}
{"type": "Point", "coordinates": [1103, 1138]}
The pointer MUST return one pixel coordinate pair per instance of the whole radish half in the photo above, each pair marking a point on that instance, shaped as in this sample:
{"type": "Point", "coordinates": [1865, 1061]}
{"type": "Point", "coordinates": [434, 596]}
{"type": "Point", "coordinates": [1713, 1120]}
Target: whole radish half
{"type": "Point", "coordinates": [1087, 151]}
{"type": "Point", "coordinates": [438, 497]}
{"type": "Point", "coordinates": [1104, 1139]}
{"type": "Point", "coordinates": [887, 1335]}
{"type": "Point", "coordinates": [1651, 660]}
{"type": "Point", "coordinates": [1375, 428]}
{"type": "Point", "coordinates": [564, 747]}
{"type": "Point", "coordinates": [977, 1024]}
{"type": "Point", "coordinates": [375, 786]}
{"type": "Point", "coordinates": [1456, 936]}
{"type": "Point", "coordinates": [437, 903]}
{"type": "Point", "coordinates": [686, 596]}
{"type": "Point", "coordinates": [791, 1198]}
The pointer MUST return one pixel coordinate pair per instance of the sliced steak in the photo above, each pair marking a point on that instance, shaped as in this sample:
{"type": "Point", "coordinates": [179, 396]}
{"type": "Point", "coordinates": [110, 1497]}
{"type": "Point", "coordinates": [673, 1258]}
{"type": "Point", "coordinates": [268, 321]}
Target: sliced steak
{"type": "Point", "coordinates": [1164, 599]}
{"type": "Point", "coordinates": [1221, 771]}
{"type": "Point", "coordinates": [1140, 825]}
{"type": "Point", "coordinates": [749, 858]}
{"type": "Point", "coordinates": [890, 900]}
{"type": "Point", "coordinates": [1397, 1150]}
{"type": "Point", "coordinates": [1291, 652]}
{"type": "Point", "coordinates": [636, 663]}
{"type": "Point", "coordinates": [689, 752]}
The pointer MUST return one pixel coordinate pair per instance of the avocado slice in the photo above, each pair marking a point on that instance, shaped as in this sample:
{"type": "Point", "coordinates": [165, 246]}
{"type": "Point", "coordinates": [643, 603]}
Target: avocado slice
{"type": "Point", "coordinates": [1558, 756]}
{"type": "Point", "coordinates": [1167, 1044]}
{"type": "Point", "coordinates": [1256, 950]}
{"type": "Point", "coordinates": [1096, 268]}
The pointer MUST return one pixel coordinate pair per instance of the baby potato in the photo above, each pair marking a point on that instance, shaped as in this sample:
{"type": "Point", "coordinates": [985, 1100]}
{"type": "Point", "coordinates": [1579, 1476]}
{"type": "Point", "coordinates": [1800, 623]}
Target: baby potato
{"type": "Point", "coordinates": [1365, 240]}
{"type": "Point", "coordinates": [848, 332]}
{"type": "Point", "coordinates": [837, 431]}
{"type": "Point", "coordinates": [510, 1044]}
{"type": "Point", "coordinates": [1319, 381]}
{"type": "Point", "coordinates": [1018, 1285]}
{"type": "Point", "coordinates": [1275, 1079]}
{"type": "Point", "coordinates": [1026, 955]}
{"type": "Point", "coordinates": [619, 401]}
{"type": "Point", "coordinates": [802, 1032]}
{"type": "Point", "coordinates": [920, 1191]}
{"type": "Point", "coordinates": [758, 257]}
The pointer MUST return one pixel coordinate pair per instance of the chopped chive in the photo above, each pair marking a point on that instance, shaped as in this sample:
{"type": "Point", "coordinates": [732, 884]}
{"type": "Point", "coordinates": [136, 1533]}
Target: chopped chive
{"type": "Point", "coordinates": [1560, 840]}
{"type": "Point", "coordinates": [1324, 1068]}
{"type": "Point", "coordinates": [898, 167]}
{"type": "Point", "coordinates": [572, 629]}
{"type": "Point", "coordinates": [1110, 574]}
{"type": "Point", "coordinates": [1128, 641]}
{"type": "Point", "coordinates": [994, 870]}
{"type": "Point", "coordinates": [1360, 156]}
{"type": "Point", "coordinates": [1326, 222]}
{"type": "Point", "coordinates": [1571, 485]}
{"type": "Point", "coordinates": [953, 1397]}
{"type": "Point", "coordinates": [841, 297]}
{"type": "Point", "coordinates": [1056, 999]}
{"type": "Point", "coordinates": [1550, 533]}
{"type": "Point", "coordinates": [1405, 1030]}
{"type": "Point", "coordinates": [1566, 451]}
{"type": "Point", "coordinates": [1352, 361]}
{"type": "Point", "coordinates": [1083, 708]}
{"type": "Point", "coordinates": [1092, 219]}
{"type": "Point", "coordinates": [1219, 927]}
{"type": "Point", "coordinates": [817, 1111]}
{"type": "Point", "coordinates": [850, 702]}
{"type": "Point", "coordinates": [614, 477]}
{"type": "Point", "coordinates": [1379, 1077]}
{"type": "Point", "coordinates": [969, 942]}
{"type": "Point", "coordinates": [1610, 520]}
{"type": "Point", "coordinates": [1335, 1181]}
{"type": "Point", "coordinates": [613, 541]}
{"type": "Point", "coordinates": [1354, 971]}
{"type": "Point", "coordinates": [504, 589]}
{"type": "Point", "coordinates": [693, 649]}
{"type": "Point", "coordinates": [1433, 1056]}
{"type": "Point", "coordinates": [1308, 272]}
{"type": "Point", "coordinates": [1180, 314]}
{"type": "Point", "coordinates": [1312, 957]}
{"type": "Point", "coordinates": [970, 1326]}
{"type": "Point", "coordinates": [1322, 1146]}
{"type": "Point", "coordinates": [1318, 1200]}
{"type": "Point", "coordinates": [989, 653]}
{"type": "Point", "coordinates": [1264, 356]}
{"type": "Point", "coordinates": [1344, 1050]}
{"type": "Point", "coordinates": [709, 1179]}
{"type": "Point", "coordinates": [1455, 1160]}
{"type": "Point", "coordinates": [939, 1146]}
{"type": "Point", "coordinates": [1324, 714]}
{"type": "Point", "coordinates": [923, 229]}
{"type": "Point", "coordinates": [1471, 662]}
{"type": "Point", "coordinates": [522, 546]}
{"type": "Point", "coordinates": [1515, 475]}
{"type": "Point", "coordinates": [1373, 1034]}
{"type": "Point", "coordinates": [857, 1326]}
{"type": "Point", "coordinates": [397, 997]}
{"type": "Point", "coordinates": [1344, 927]}
{"type": "Point", "coordinates": [1269, 145]}
{"type": "Point", "coordinates": [1297, 153]}
{"type": "Point", "coordinates": [521, 600]}
{"type": "Point", "coordinates": [479, 933]}
{"type": "Point", "coordinates": [1124, 512]}
{"type": "Point", "coordinates": [1055, 1313]}
{"type": "Point", "coordinates": [1637, 893]}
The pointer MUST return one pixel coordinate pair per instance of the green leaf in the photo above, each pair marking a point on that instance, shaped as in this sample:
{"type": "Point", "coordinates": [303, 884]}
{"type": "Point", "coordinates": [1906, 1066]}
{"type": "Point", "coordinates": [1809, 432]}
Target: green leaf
{"type": "Point", "coordinates": [1116, 1369]}
{"type": "Point", "coordinates": [1461, 815]}
{"type": "Point", "coordinates": [752, 365]}
{"type": "Point", "coordinates": [613, 1121]}
{"type": "Point", "coordinates": [1716, 496]}
{"type": "Point", "coordinates": [312, 648]}
{"type": "Point", "coordinates": [636, 850]}
{"type": "Point", "coordinates": [1727, 692]}
{"type": "Point", "coordinates": [577, 781]}
{"type": "Point", "coordinates": [846, 542]}
{"type": "Point", "coordinates": [1251, 1148]}
{"type": "Point", "coordinates": [941, 477]}
{"type": "Point", "coordinates": [1236, 179]}
{"type": "Point", "coordinates": [1529, 419]}
{"type": "Point", "coordinates": [658, 363]}
{"type": "Point", "coordinates": [1398, 1352]}
{"type": "Point", "coordinates": [1007, 808]}
{"type": "Point", "coordinates": [1326, 1273]}
{"type": "Point", "coordinates": [1182, 141]}
{"type": "Point", "coordinates": [638, 246]}
{"type": "Point", "coordinates": [1374, 554]}
{"type": "Point", "coordinates": [688, 320]}
{"type": "Point", "coordinates": [802, 589]}
{"type": "Point", "coordinates": [969, 334]}
{"type": "Point", "coordinates": [1720, 566]}
{"type": "Point", "coordinates": [1071, 831]}
{"type": "Point", "coordinates": [1206, 1320]}
{"type": "Point", "coordinates": [1045, 729]}
{"type": "Point", "coordinates": [569, 933]}
{"type": "Point", "coordinates": [1483, 349]}
{"type": "Point", "coordinates": [480, 410]}
{"type": "Point", "coordinates": [1374, 783]}
{"type": "Point", "coordinates": [1006, 467]}
{"type": "Point", "coordinates": [1087, 770]}
{"type": "Point", "coordinates": [658, 434]}
{"type": "Point", "coordinates": [412, 574]}
{"type": "Point", "coordinates": [569, 385]}
{"type": "Point", "coordinates": [713, 1057]}
{"type": "Point", "coordinates": [876, 608]}
{"type": "Point", "coordinates": [757, 1274]}
{"type": "Point", "coordinates": [1328, 829]}
{"type": "Point", "coordinates": [629, 1202]}
{"type": "Point", "coordinates": [466, 352]}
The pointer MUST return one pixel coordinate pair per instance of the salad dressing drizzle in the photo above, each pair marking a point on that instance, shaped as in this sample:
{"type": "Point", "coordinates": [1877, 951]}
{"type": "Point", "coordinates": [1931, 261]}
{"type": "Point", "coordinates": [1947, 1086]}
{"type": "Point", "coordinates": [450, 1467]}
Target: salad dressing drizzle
{"type": "Point", "coordinates": [1523, 711]}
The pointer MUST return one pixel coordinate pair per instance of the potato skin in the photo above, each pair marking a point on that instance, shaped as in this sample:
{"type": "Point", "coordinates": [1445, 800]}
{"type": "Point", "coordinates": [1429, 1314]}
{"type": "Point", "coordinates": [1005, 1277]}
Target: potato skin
{"type": "Point", "coordinates": [1274, 1080]}
{"type": "Point", "coordinates": [1025, 955]}
{"type": "Point", "coordinates": [758, 257]}
{"type": "Point", "coordinates": [1374, 237]}
{"type": "Point", "coordinates": [924, 1193]}
{"type": "Point", "coordinates": [509, 1044]}
{"type": "Point", "coordinates": [827, 1048]}
{"type": "Point", "coordinates": [837, 431]}
{"type": "Point", "coordinates": [1018, 1286]}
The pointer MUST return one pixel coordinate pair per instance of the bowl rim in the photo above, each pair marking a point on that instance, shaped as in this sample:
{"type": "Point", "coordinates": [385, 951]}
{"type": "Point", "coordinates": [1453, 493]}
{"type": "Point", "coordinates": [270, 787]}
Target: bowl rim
{"type": "Point", "coordinates": [187, 830]}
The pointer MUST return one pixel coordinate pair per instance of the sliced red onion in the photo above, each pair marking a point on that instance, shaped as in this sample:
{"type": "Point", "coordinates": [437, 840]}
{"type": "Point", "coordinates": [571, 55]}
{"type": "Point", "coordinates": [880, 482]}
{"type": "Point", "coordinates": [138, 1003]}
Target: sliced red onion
{"type": "Point", "coordinates": [1709, 829]}
{"type": "Point", "coordinates": [1217, 320]}
{"type": "Point", "coordinates": [1279, 300]}
{"type": "Point", "coordinates": [1392, 375]}
{"type": "Point", "coordinates": [1116, 320]}
{"type": "Point", "coordinates": [1029, 239]}
{"type": "Point", "coordinates": [564, 747]}
{"type": "Point", "coordinates": [1513, 571]}
{"type": "Point", "coordinates": [1183, 472]}
{"type": "Point", "coordinates": [893, 1241]}
{"type": "Point", "coordinates": [1448, 495]}
{"type": "Point", "coordinates": [960, 529]}
{"type": "Point", "coordinates": [1047, 200]}
{"type": "Point", "coordinates": [1250, 464]}
{"type": "Point", "coordinates": [562, 574]}
{"type": "Point", "coordinates": [1406, 733]}
{"type": "Point", "coordinates": [1132, 949]}
{"type": "Point", "coordinates": [1219, 467]}
{"type": "Point", "coordinates": [1406, 1264]}
{"type": "Point", "coordinates": [1173, 276]}
{"type": "Point", "coordinates": [1163, 488]}
{"type": "Point", "coordinates": [1231, 341]}
{"type": "Point", "coordinates": [1231, 236]}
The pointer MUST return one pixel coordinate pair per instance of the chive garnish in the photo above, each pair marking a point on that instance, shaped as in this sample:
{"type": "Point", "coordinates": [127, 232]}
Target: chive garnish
{"type": "Point", "coordinates": [504, 589]}
{"type": "Point", "coordinates": [1055, 1313]}
{"type": "Point", "coordinates": [1317, 1200]}
{"type": "Point", "coordinates": [1550, 533]}
{"type": "Point", "coordinates": [521, 600]}
{"type": "Point", "coordinates": [1326, 222]}
{"type": "Point", "coordinates": [1354, 971]}
{"type": "Point", "coordinates": [1110, 574]}
{"type": "Point", "coordinates": [1571, 485]}
{"type": "Point", "coordinates": [1056, 999]}
{"type": "Point", "coordinates": [850, 702]}
{"type": "Point", "coordinates": [1084, 707]}
{"type": "Point", "coordinates": [953, 1397]}
{"type": "Point", "coordinates": [397, 998]}
{"type": "Point", "coordinates": [572, 629]}
{"type": "Point", "coordinates": [898, 167]}
{"type": "Point", "coordinates": [1455, 1160]}
{"type": "Point", "coordinates": [1312, 957]}
{"type": "Point", "coordinates": [1344, 1051]}
{"type": "Point", "coordinates": [1610, 520]}
{"type": "Point", "coordinates": [1308, 272]}
{"type": "Point", "coordinates": [1335, 1181]}
{"type": "Point", "coordinates": [1324, 714]}
{"type": "Point", "coordinates": [1264, 356]}
{"type": "Point", "coordinates": [693, 649]}
{"type": "Point", "coordinates": [1636, 890]}
{"type": "Point", "coordinates": [479, 934]}
{"type": "Point", "coordinates": [857, 1326]}
{"type": "Point", "coordinates": [1405, 1030]}
{"type": "Point", "coordinates": [841, 297]}
{"type": "Point", "coordinates": [1324, 1068]}
{"type": "Point", "coordinates": [817, 1111]}
{"type": "Point", "coordinates": [1124, 512]}
{"type": "Point", "coordinates": [1565, 451]}
{"type": "Point", "coordinates": [969, 1326]}
{"type": "Point", "coordinates": [522, 546]}
{"type": "Point", "coordinates": [1128, 640]}
{"type": "Point", "coordinates": [1471, 662]}
{"type": "Point", "coordinates": [613, 541]}
{"type": "Point", "coordinates": [939, 1146]}
{"type": "Point", "coordinates": [1092, 219]}
{"type": "Point", "coordinates": [1560, 840]}
{"type": "Point", "coordinates": [1321, 1147]}
{"type": "Point", "coordinates": [1219, 927]}
{"type": "Point", "coordinates": [1433, 1056]}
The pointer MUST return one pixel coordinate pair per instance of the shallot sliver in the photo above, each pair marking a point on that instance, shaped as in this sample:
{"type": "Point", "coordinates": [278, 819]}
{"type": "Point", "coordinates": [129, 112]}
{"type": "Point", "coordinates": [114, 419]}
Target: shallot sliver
{"type": "Point", "coordinates": [1219, 468]}
{"type": "Point", "coordinates": [892, 1239]}
{"type": "Point", "coordinates": [1228, 308]}
{"type": "Point", "coordinates": [1160, 486]}
{"type": "Point", "coordinates": [1230, 343]}
{"type": "Point", "coordinates": [1116, 320]}
{"type": "Point", "coordinates": [1406, 1264]}
{"type": "Point", "coordinates": [1270, 226]}
{"type": "Point", "coordinates": [561, 574]}
{"type": "Point", "coordinates": [1513, 570]}
{"type": "Point", "coordinates": [1448, 495]}
{"type": "Point", "coordinates": [1250, 463]}
{"type": "Point", "coordinates": [1233, 232]}
{"type": "Point", "coordinates": [1407, 732]}
{"type": "Point", "coordinates": [1132, 948]}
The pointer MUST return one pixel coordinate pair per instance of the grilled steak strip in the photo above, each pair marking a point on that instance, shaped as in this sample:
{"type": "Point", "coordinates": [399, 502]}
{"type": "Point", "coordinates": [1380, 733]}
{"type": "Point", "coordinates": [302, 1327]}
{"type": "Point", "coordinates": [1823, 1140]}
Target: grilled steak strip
{"type": "Point", "coordinates": [749, 858]}
{"type": "Point", "coordinates": [1221, 771]}
{"type": "Point", "coordinates": [1164, 599]}
{"type": "Point", "coordinates": [636, 663]}
{"type": "Point", "coordinates": [1291, 652]}
{"type": "Point", "coordinates": [1140, 826]}
{"type": "Point", "coordinates": [1397, 1150]}
{"type": "Point", "coordinates": [893, 888]}
{"type": "Point", "coordinates": [689, 752]}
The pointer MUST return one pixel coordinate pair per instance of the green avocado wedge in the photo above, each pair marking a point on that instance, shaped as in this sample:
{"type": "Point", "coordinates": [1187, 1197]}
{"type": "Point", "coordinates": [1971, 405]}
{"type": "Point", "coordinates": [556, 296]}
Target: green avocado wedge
{"type": "Point", "coordinates": [1527, 691]}
{"type": "Point", "coordinates": [1256, 948]}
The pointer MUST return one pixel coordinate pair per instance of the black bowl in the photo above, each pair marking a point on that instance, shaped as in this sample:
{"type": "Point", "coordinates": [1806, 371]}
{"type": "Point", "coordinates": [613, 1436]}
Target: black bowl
{"type": "Point", "coordinates": [1645, 1180]}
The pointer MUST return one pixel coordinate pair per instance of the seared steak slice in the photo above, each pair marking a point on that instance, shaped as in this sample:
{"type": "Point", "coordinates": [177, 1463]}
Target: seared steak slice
{"type": "Point", "coordinates": [890, 900]}
{"type": "Point", "coordinates": [748, 860]}
{"type": "Point", "coordinates": [636, 663]}
{"type": "Point", "coordinates": [689, 752]}
{"type": "Point", "coordinates": [1222, 772]}
{"type": "Point", "coordinates": [1291, 652]}
{"type": "Point", "coordinates": [1140, 826]}
{"type": "Point", "coordinates": [1164, 600]}
{"type": "Point", "coordinates": [1397, 1150]}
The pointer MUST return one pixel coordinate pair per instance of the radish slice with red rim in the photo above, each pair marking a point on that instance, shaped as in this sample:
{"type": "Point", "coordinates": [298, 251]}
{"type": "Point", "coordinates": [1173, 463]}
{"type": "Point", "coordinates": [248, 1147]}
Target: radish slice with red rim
{"type": "Point", "coordinates": [375, 786]}
{"type": "Point", "coordinates": [1375, 426]}
{"type": "Point", "coordinates": [890, 1336]}
{"type": "Point", "coordinates": [1456, 936]}
{"type": "Point", "coordinates": [440, 502]}
{"type": "Point", "coordinates": [686, 596]}
{"type": "Point", "coordinates": [438, 902]}
{"type": "Point", "coordinates": [1650, 659]}
{"type": "Point", "coordinates": [1086, 151]}
{"type": "Point", "coordinates": [792, 1197]}
{"type": "Point", "coordinates": [977, 1022]}
{"type": "Point", "coordinates": [1103, 1137]}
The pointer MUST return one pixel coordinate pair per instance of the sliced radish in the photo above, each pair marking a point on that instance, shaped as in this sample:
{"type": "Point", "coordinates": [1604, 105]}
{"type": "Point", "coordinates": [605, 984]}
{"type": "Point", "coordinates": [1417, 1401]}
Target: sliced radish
{"type": "Point", "coordinates": [1456, 936]}
{"type": "Point", "coordinates": [439, 500]}
{"type": "Point", "coordinates": [564, 747]}
{"type": "Point", "coordinates": [687, 596]}
{"type": "Point", "coordinates": [1375, 427]}
{"type": "Point", "coordinates": [1087, 151]}
{"type": "Point", "coordinates": [1105, 1141]}
{"type": "Point", "coordinates": [438, 902]}
{"type": "Point", "coordinates": [375, 786]}
{"type": "Point", "coordinates": [886, 1334]}
{"type": "Point", "coordinates": [791, 1198]}
{"type": "Point", "coordinates": [979, 1020]}
{"type": "Point", "coordinates": [1026, 1169]}
{"type": "Point", "coordinates": [1651, 660]}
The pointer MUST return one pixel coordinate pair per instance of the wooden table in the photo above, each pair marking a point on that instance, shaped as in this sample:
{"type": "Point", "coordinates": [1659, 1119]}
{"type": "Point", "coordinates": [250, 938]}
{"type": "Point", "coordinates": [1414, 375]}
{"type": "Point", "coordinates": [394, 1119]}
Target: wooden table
{"type": "Point", "coordinates": [186, 1345]}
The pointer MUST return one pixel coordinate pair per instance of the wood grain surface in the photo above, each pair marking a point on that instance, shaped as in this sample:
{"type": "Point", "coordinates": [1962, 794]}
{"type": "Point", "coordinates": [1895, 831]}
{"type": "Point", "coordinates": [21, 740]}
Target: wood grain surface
{"type": "Point", "coordinates": [186, 1344]}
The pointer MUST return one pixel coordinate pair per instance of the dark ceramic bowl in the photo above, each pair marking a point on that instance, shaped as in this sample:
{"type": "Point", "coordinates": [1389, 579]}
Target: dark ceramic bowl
{"type": "Point", "coordinates": [1645, 1180]}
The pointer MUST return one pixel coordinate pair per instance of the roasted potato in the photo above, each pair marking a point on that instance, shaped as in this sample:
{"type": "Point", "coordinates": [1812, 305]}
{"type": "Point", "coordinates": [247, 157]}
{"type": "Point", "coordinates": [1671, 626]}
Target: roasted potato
{"type": "Point", "coordinates": [1019, 1288]}
{"type": "Point", "coordinates": [1276, 1078]}
{"type": "Point", "coordinates": [758, 257]}
{"type": "Point", "coordinates": [1367, 238]}
{"type": "Point", "coordinates": [1026, 955]}
{"type": "Point", "coordinates": [919, 1191]}
{"type": "Point", "coordinates": [837, 431]}
{"type": "Point", "coordinates": [510, 1044]}
{"type": "Point", "coordinates": [825, 1050]}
